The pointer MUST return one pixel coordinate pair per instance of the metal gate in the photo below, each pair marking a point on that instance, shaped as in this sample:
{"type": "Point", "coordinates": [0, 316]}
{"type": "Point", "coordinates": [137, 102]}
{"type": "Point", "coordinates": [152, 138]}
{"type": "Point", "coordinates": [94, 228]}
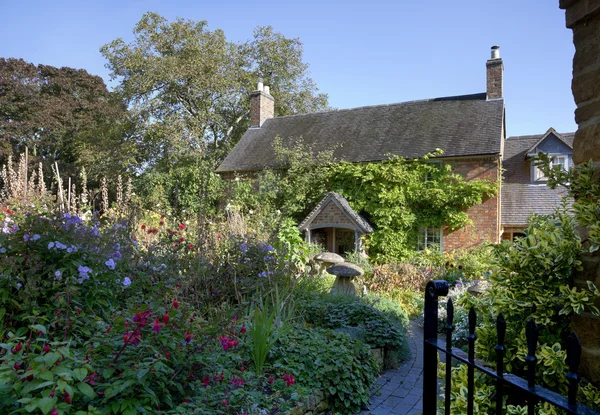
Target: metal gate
{"type": "Point", "coordinates": [533, 393]}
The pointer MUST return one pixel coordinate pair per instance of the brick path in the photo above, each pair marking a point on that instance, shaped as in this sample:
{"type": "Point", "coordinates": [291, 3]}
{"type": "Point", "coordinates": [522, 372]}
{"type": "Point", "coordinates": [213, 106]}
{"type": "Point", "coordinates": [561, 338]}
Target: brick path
{"type": "Point", "coordinates": [400, 391]}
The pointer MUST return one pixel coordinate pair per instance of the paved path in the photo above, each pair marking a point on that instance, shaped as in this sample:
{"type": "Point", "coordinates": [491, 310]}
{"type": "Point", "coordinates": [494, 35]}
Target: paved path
{"type": "Point", "coordinates": [400, 391]}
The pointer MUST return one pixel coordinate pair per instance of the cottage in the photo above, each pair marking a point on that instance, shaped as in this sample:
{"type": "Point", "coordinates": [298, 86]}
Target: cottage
{"type": "Point", "coordinates": [470, 129]}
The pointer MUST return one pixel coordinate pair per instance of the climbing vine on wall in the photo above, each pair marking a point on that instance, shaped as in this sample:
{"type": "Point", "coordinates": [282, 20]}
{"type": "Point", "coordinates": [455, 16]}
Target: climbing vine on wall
{"type": "Point", "coordinates": [399, 196]}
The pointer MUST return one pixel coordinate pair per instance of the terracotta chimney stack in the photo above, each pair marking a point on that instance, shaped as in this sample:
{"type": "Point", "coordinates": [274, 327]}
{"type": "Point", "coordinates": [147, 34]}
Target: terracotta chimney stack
{"type": "Point", "coordinates": [262, 105]}
{"type": "Point", "coordinates": [495, 70]}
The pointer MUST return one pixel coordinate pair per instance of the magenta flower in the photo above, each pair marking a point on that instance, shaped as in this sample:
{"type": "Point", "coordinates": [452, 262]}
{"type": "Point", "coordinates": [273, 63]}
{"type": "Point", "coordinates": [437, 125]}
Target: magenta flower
{"type": "Point", "coordinates": [156, 325]}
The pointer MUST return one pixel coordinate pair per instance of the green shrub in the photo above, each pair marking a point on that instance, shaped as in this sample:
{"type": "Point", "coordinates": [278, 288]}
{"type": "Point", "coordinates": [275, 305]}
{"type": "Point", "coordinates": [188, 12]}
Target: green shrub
{"type": "Point", "coordinates": [361, 319]}
{"type": "Point", "coordinates": [343, 368]}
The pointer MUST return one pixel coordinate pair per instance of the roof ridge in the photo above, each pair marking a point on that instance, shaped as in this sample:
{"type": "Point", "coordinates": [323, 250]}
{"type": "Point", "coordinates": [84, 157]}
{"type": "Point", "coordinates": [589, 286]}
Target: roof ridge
{"type": "Point", "coordinates": [532, 136]}
{"type": "Point", "coordinates": [466, 97]}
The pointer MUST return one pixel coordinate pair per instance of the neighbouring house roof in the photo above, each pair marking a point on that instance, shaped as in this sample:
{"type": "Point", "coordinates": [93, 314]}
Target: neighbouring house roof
{"type": "Point", "coordinates": [342, 203]}
{"type": "Point", "coordinates": [520, 200]}
{"type": "Point", "coordinates": [551, 132]}
{"type": "Point", "coordinates": [467, 125]}
{"type": "Point", "coordinates": [520, 197]}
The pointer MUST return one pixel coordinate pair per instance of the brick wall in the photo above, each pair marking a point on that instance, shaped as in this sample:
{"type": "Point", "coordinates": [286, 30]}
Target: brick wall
{"type": "Point", "coordinates": [262, 107]}
{"type": "Point", "coordinates": [331, 214]}
{"type": "Point", "coordinates": [486, 216]}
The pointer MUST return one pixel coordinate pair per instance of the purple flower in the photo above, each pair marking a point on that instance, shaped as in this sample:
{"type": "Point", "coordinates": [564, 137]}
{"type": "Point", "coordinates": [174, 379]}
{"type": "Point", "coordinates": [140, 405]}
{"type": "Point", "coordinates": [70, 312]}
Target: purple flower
{"type": "Point", "coordinates": [244, 247]}
{"type": "Point", "coordinates": [126, 282]}
{"type": "Point", "coordinates": [26, 237]}
{"type": "Point", "coordinates": [60, 245]}
{"type": "Point", "coordinates": [83, 273]}
{"type": "Point", "coordinates": [2, 250]}
{"type": "Point", "coordinates": [58, 274]}
{"type": "Point", "coordinates": [50, 245]}
{"type": "Point", "coordinates": [35, 237]}
{"type": "Point", "coordinates": [110, 263]}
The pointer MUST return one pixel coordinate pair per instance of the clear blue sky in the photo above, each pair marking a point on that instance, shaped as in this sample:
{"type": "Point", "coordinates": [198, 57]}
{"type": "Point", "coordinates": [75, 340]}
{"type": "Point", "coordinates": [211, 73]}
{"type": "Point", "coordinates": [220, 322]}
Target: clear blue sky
{"type": "Point", "coordinates": [359, 52]}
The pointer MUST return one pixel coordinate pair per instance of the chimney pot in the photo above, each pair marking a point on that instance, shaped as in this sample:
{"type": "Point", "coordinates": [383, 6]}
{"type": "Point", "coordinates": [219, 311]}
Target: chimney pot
{"type": "Point", "coordinates": [267, 90]}
{"type": "Point", "coordinates": [259, 85]}
{"type": "Point", "coordinates": [495, 73]}
{"type": "Point", "coordinates": [495, 52]}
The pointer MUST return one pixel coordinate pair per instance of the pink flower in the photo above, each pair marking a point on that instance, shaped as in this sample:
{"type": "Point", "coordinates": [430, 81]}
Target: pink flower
{"type": "Point", "coordinates": [271, 379]}
{"type": "Point", "coordinates": [46, 348]}
{"type": "Point", "coordinates": [181, 226]}
{"type": "Point", "coordinates": [243, 330]}
{"type": "Point", "coordinates": [289, 380]}
{"type": "Point", "coordinates": [188, 337]}
{"type": "Point", "coordinates": [166, 319]}
{"type": "Point", "coordinates": [175, 304]}
{"type": "Point", "coordinates": [156, 325]}
{"type": "Point", "coordinates": [205, 380]}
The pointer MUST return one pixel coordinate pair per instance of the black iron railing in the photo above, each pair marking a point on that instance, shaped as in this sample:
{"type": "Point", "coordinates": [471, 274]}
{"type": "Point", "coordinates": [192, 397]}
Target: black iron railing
{"type": "Point", "coordinates": [532, 393]}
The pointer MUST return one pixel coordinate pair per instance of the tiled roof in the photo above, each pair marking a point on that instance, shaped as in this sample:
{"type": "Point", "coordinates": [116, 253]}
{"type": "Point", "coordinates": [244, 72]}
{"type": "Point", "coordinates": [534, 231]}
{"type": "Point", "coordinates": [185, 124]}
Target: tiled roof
{"type": "Point", "coordinates": [520, 200]}
{"type": "Point", "coordinates": [521, 197]}
{"type": "Point", "coordinates": [359, 220]}
{"type": "Point", "coordinates": [517, 169]}
{"type": "Point", "coordinates": [466, 125]}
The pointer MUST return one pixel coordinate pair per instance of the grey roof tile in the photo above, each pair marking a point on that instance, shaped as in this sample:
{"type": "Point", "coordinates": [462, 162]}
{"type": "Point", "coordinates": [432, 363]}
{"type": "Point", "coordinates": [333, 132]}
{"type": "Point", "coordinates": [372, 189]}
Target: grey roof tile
{"type": "Point", "coordinates": [461, 126]}
{"type": "Point", "coordinates": [520, 200]}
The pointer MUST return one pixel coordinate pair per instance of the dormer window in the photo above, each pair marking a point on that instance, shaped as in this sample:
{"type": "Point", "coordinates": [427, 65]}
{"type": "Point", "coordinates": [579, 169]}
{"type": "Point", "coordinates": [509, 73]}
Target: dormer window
{"type": "Point", "coordinates": [561, 160]}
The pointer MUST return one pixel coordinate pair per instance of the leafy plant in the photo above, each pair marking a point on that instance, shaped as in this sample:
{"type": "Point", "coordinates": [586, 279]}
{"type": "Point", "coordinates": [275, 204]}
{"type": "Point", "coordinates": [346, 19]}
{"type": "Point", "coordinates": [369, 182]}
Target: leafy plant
{"type": "Point", "coordinates": [269, 323]}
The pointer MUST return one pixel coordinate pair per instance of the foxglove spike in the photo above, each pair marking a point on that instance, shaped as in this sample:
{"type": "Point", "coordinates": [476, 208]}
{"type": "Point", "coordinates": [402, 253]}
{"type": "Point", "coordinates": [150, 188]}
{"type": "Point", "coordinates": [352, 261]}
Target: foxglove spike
{"type": "Point", "coordinates": [531, 332]}
{"type": "Point", "coordinates": [501, 328]}
{"type": "Point", "coordinates": [472, 320]}
{"type": "Point", "coordinates": [573, 352]}
{"type": "Point", "coordinates": [450, 313]}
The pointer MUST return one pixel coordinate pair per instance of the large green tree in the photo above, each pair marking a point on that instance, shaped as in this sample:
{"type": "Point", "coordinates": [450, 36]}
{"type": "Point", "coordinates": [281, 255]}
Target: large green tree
{"type": "Point", "coordinates": [62, 114]}
{"type": "Point", "coordinates": [189, 85]}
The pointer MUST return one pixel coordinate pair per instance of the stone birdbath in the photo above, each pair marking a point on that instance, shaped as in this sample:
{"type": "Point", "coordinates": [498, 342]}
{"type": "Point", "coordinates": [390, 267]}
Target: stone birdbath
{"type": "Point", "coordinates": [327, 259]}
{"type": "Point", "coordinates": [344, 277]}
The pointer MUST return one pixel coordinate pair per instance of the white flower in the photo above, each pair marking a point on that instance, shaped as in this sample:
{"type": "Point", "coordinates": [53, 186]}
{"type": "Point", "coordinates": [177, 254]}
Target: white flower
{"type": "Point", "coordinates": [251, 212]}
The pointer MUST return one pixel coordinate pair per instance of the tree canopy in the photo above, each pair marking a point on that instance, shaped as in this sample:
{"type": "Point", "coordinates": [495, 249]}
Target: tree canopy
{"type": "Point", "coordinates": [61, 114]}
{"type": "Point", "coordinates": [189, 85]}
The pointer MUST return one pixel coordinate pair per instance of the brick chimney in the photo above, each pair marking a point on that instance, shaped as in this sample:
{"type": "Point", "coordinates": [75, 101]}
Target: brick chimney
{"type": "Point", "coordinates": [495, 69]}
{"type": "Point", "coordinates": [262, 105]}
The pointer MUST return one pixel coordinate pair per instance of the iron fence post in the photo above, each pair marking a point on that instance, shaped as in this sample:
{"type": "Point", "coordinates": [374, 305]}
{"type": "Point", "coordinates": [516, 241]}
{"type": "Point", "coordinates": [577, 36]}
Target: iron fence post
{"type": "Point", "coordinates": [433, 290]}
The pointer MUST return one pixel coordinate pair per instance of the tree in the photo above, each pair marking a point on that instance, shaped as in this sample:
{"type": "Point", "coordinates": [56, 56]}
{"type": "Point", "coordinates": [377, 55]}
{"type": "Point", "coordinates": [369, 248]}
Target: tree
{"type": "Point", "coordinates": [61, 114]}
{"type": "Point", "coordinates": [189, 85]}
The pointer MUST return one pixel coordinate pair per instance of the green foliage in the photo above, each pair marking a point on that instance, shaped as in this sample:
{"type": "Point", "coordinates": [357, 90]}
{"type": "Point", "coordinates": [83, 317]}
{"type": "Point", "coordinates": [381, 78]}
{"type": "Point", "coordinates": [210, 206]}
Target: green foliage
{"type": "Point", "coordinates": [63, 114]}
{"type": "Point", "coordinates": [583, 184]}
{"type": "Point", "coordinates": [399, 196]}
{"type": "Point", "coordinates": [343, 368]}
{"type": "Point", "coordinates": [183, 187]}
{"type": "Point", "coordinates": [531, 279]}
{"type": "Point", "coordinates": [188, 85]}
{"type": "Point", "coordinates": [298, 188]}
{"type": "Point", "coordinates": [268, 323]}
{"type": "Point", "coordinates": [379, 328]}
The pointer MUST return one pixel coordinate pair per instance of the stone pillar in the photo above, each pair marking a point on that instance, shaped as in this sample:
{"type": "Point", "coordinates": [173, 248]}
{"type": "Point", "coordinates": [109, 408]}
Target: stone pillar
{"type": "Point", "coordinates": [583, 17]}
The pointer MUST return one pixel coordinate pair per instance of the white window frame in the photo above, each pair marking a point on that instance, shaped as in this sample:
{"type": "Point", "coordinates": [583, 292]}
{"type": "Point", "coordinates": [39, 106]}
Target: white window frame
{"type": "Point", "coordinates": [563, 160]}
{"type": "Point", "coordinates": [425, 234]}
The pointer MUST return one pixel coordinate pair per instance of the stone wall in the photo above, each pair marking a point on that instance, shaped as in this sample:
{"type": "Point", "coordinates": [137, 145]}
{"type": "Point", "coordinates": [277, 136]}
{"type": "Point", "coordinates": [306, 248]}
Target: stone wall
{"type": "Point", "coordinates": [486, 216]}
{"type": "Point", "coordinates": [583, 17]}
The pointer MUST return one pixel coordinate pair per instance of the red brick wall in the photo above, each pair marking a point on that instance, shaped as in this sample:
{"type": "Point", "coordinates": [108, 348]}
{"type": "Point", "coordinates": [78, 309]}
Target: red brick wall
{"type": "Point", "coordinates": [331, 214]}
{"type": "Point", "coordinates": [262, 107]}
{"type": "Point", "coordinates": [486, 216]}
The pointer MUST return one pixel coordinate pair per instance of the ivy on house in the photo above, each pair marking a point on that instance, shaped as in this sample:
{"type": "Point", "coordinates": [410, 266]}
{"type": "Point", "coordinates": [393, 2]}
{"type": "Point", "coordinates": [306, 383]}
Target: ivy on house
{"type": "Point", "coordinates": [399, 196]}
